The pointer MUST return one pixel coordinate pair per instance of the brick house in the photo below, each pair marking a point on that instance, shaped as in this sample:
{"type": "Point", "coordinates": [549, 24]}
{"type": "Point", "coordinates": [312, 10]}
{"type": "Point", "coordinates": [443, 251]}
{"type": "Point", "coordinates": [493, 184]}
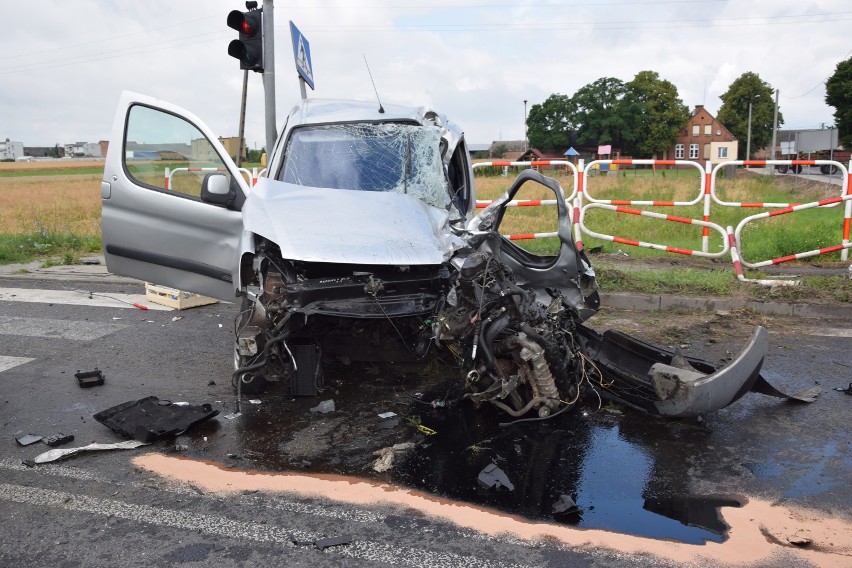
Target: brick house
{"type": "Point", "coordinates": [704, 139]}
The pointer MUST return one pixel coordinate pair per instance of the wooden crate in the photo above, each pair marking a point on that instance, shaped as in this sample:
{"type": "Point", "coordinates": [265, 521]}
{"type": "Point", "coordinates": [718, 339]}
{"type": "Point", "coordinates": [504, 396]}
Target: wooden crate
{"type": "Point", "coordinates": [175, 298]}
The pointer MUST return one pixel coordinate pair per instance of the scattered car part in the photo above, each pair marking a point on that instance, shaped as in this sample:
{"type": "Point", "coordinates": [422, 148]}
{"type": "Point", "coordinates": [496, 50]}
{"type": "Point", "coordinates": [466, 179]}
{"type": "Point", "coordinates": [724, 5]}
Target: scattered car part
{"type": "Point", "coordinates": [149, 419]}
{"type": "Point", "coordinates": [58, 454]}
{"type": "Point", "coordinates": [565, 505]}
{"type": "Point", "coordinates": [323, 543]}
{"type": "Point", "coordinates": [386, 456]}
{"type": "Point", "coordinates": [324, 407]}
{"type": "Point", "coordinates": [58, 439]}
{"type": "Point", "coordinates": [492, 477]}
{"type": "Point", "coordinates": [88, 379]}
{"type": "Point", "coordinates": [27, 439]}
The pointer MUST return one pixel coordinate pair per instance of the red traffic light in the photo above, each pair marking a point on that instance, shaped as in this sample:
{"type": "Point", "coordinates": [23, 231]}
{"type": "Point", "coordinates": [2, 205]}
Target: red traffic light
{"type": "Point", "coordinates": [248, 23]}
{"type": "Point", "coordinates": [249, 47]}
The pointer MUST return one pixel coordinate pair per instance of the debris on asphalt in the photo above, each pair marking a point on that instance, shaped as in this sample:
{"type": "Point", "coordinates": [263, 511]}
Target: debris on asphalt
{"type": "Point", "coordinates": [149, 419]}
{"type": "Point", "coordinates": [323, 543]}
{"type": "Point", "coordinates": [29, 463]}
{"type": "Point", "coordinates": [385, 415]}
{"type": "Point", "coordinates": [27, 439]}
{"type": "Point", "coordinates": [254, 401]}
{"type": "Point", "coordinates": [58, 439]}
{"type": "Point", "coordinates": [800, 538]}
{"type": "Point", "coordinates": [324, 407]}
{"type": "Point", "coordinates": [492, 477]}
{"type": "Point", "coordinates": [388, 423]}
{"type": "Point", "coordinates": [88, 379]}
{"type": "Point", "coordinates": [58, 454]}
{"type": "Point", "coordinates": [847, 390]}
{"type": "Point", "coordinates": [565, 505]}
{"type": "Point", "coordinates": [387, 455]}
{"type": "Point", "coordinates": [232, 415]}
{"type": "Point", "coordinates": [177, 318]}
{"type": "Point", "coordinates": [181, 447]}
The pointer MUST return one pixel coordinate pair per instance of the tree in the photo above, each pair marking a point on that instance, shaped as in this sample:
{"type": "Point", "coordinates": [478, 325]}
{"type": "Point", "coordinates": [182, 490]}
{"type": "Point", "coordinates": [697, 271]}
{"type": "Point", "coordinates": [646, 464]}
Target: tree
{"type": "Point", "coordinates": [550, 125]}
{"type": "Point", "coordinates": [599, 112]}
{"type": "Point", "coordinates": [838, 93]}
{"type": "Point", "coordinates": [749, 88]}
{"type": "Point", "coordinates": [653, 114]}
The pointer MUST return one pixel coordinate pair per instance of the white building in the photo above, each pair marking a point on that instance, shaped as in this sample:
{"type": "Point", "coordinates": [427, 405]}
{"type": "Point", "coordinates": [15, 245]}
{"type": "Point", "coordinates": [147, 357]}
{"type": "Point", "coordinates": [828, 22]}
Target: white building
{"type": "Point", "coordinates": [83, 150]}
{"type": "Point", "coordinates": [11, 150]}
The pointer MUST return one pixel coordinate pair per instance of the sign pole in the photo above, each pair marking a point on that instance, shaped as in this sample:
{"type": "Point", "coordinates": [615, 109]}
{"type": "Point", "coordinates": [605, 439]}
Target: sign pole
{"type": "Point", "coordinates": [302, 88]}
{"type": "Point", "coordinates": [269, 75]}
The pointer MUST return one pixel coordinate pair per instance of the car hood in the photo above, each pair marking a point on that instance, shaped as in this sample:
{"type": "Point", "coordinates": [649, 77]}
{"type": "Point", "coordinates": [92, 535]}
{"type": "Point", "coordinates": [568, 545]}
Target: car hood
{"type": "Point", "coordinates": [349, 227]}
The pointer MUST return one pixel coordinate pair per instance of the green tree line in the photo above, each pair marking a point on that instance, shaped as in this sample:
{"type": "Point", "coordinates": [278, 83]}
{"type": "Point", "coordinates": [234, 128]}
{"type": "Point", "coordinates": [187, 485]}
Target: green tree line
{"type": "Point", "coordinates": [644, 117]}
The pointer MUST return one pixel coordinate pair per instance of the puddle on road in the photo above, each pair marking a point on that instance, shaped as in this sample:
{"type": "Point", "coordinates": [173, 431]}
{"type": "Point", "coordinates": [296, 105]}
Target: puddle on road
{"type": "Point", "coordinates": [618, 484]}
{"type": "Point", "coordinates": [617, 468]}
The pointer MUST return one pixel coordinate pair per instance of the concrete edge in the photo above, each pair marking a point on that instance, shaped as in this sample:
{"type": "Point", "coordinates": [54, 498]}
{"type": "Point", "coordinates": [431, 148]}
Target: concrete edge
{"type": "Point", "coordinates": [653, 302]}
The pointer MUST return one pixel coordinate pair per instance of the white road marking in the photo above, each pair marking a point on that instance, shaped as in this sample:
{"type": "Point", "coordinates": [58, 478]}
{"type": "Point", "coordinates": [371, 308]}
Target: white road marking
{"type": "Point", "coordinates": [224, 527]}
{"type": "Point", "coordinates": [78, 298]}
{"type": "Point", "coordinates": [8, 362]}
{"type": "Point", "coordinates": [56, 329]}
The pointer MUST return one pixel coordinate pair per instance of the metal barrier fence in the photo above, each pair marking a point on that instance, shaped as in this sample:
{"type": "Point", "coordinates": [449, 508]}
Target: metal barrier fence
{"type": "Point", "coordinates": [252, 176]}
{"type": "Point", "coordinates": [706, 193]}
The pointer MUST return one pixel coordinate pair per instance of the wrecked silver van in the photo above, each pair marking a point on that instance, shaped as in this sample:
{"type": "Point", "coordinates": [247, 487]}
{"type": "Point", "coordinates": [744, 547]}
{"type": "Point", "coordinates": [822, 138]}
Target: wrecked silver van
{"type": "Point", "coordinates": [361, 242]}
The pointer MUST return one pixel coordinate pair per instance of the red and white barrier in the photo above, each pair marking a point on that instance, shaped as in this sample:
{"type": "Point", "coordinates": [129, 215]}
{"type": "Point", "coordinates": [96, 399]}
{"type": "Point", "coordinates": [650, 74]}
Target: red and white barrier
{"type": "Point", "coordinates": [169, 173]}
{"type": "Point", "coordinates": [738, 266]}
{"type": "Point", "coordinates": [844, 245]}
{"type": "Point", "coordinates": [483, 203]}
{"type": "Point", "coordinates": [653, 215]}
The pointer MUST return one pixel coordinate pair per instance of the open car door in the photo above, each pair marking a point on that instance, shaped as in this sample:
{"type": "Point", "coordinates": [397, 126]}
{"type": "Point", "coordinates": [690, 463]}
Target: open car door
{"type": "Point", "coordinates": [171, 200]}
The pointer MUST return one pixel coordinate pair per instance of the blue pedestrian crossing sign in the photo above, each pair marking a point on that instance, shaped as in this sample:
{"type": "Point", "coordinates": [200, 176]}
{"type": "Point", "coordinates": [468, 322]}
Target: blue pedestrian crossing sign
{"type": "Point", "coordinates": [302, 54]}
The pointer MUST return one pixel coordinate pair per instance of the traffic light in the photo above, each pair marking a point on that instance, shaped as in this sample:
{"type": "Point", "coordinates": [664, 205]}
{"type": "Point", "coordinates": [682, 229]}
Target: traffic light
{"type": "Point", "coordinates": [249, 47]}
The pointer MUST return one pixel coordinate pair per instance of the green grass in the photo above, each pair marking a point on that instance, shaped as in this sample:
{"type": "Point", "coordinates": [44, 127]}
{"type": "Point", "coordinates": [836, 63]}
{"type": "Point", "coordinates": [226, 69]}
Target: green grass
{"type": "Point", "coordinates": [48, 246]}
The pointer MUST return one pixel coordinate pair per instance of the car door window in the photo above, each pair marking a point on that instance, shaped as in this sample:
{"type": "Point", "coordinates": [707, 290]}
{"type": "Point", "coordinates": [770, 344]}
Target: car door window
{"type": "Point", "coordinates": [163, 151]}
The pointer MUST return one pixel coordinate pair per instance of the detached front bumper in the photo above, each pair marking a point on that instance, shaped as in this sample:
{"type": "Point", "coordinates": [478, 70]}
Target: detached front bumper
{"type": "Point", "coordinates": [664, 382]}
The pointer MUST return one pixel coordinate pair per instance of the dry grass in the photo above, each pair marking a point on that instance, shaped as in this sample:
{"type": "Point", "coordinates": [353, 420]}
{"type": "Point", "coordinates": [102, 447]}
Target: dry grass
{"type": "Point", "coordinates": [49, 165]}
{"type": "Point", "coordinates": [66, 204]}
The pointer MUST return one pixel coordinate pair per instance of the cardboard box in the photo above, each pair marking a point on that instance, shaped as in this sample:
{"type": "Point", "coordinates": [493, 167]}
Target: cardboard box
{"type": "Point", "coordinates": [174, 298]}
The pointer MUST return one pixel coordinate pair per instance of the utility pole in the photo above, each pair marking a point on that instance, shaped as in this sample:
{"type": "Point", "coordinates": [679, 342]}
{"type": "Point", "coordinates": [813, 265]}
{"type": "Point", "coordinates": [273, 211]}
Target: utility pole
{"type": "Point", "coordinates": [526, 144]}
{"type": "Point", "coordinates": [748, 140]}
{"type": "Point", "coordinates": [242, 119]}
{"type": "Point", "coordinates": [774, 132]}
{"type": "Point", "coordinates": [269, 76]}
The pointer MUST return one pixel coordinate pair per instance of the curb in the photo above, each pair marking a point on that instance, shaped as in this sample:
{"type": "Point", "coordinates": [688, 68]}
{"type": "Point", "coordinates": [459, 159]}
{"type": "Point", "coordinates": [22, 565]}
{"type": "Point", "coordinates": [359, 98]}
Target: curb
{"type": "Point", "coordinates": [662, 303]}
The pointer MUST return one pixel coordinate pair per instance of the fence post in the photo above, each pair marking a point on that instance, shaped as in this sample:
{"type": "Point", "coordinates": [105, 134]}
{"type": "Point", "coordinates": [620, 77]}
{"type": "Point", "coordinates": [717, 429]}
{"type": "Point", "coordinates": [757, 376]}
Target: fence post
{"type": "Point", "coordinates": [166, 179]}
{"type": "Point", "coordinates": [578, 203]}
{"type": "Point", "coordinates": [847, 214]}
{"type": "Point", "coordinates": [708, 184]}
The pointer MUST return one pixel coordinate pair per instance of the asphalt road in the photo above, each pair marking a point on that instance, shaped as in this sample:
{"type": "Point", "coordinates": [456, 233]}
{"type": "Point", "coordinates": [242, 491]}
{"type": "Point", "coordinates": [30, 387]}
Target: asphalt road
{"type": "Point", "coordinates": [643, 487]}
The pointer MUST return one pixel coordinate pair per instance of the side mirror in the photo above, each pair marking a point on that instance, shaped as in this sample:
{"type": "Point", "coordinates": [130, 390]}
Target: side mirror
{"type": "Point", "coordinates": [216, 188]}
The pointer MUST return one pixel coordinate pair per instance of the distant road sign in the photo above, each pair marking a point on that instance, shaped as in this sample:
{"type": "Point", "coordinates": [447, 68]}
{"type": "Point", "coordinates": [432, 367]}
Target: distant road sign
{"type": "Point", "coordinates": [302, 54]}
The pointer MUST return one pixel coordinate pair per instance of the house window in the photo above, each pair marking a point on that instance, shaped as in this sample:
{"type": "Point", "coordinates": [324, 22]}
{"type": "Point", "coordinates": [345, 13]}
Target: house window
{"type": "Point", "coordinates": [693, 151]}
{"type": "Point", "coordinates": [679, 151]}
{"type": "Point", "coordinates": [695, 129]}
{"type": "Point", "coordinates": [708, 129]}
{"type": "Point", "coordinates": [722, 152]}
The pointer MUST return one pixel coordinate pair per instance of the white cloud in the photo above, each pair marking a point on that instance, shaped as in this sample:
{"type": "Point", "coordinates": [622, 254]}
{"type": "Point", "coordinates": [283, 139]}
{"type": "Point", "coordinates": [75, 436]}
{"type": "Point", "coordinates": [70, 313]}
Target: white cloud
{"type": "Point", "coordinates": [63, 66]}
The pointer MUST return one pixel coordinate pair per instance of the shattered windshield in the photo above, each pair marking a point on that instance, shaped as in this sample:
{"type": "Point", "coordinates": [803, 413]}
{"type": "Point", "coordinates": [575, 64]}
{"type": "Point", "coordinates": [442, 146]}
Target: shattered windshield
{"type": "Point", "coordinates": [402, 158]}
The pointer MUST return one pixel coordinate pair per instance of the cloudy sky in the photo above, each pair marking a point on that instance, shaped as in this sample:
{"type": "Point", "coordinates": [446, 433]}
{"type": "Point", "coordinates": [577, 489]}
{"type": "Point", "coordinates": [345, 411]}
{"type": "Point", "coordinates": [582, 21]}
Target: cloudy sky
{"type": "Point", "coordinates": [64, 63]}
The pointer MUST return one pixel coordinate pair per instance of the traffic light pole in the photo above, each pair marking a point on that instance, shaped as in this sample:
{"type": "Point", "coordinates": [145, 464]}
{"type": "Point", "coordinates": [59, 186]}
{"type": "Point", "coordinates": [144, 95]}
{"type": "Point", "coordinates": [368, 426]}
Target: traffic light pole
{"type": "Point", "coordinates": [240, 147]}
{"type": "Point", "coordinates": [269, 76]}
